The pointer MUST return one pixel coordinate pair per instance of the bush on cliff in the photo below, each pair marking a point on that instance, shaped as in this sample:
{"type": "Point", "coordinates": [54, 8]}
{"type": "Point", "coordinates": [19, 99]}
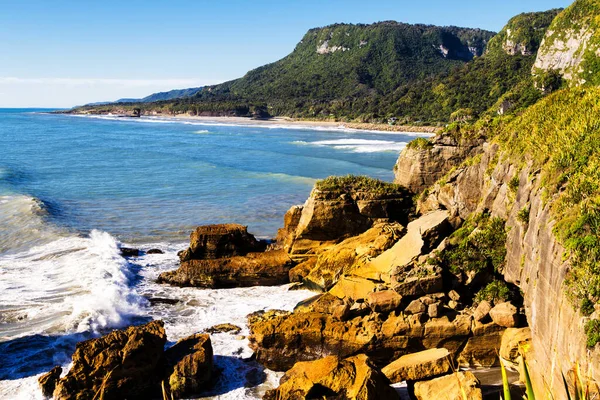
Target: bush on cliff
{"type": "Point", "coordinates": [354, 183]}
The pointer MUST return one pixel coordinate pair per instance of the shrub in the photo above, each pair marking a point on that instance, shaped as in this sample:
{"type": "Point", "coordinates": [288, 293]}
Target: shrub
{"type": "Point", "coordinates": [354, 183]}
{"type": "Point", "coordinates": [523, 215]}
{"type": "Point", "coordinates": [587, 307]}
{"type": "Point", "coordinates": [513, 184]}
{"type": "Point", "coordinates": [592, 330]}
{"type": "Point", "coordinates": [495, 290]}
{"type": "Point", "coordinates": [420, 144]}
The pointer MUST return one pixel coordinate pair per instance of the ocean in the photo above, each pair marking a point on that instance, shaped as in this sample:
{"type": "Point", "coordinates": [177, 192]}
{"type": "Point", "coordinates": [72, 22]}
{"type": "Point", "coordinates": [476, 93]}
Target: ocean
{"type": "Point", "coordinates": [73, 189]}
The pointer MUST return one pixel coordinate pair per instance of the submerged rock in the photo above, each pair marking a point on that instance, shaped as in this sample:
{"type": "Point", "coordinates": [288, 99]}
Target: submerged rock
{"type": "Point", "coordinates": [209, 242]}
{"type": "Point", "coordinates": [254, 269]}
{"type": "Point", "coordinates": [123, 364]}
{"type": "Point", "coordinates": [353, 378]}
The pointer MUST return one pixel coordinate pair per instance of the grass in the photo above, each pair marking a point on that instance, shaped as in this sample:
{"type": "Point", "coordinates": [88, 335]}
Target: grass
{"type": "Point", "coordinates": [560, 135]}
{"type": "Point", "coordinates": [354, 183]}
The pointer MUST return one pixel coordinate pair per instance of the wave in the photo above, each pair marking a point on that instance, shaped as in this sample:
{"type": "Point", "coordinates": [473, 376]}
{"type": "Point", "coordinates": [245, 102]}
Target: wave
{"type": "Point", "coordinates": [359, 145]}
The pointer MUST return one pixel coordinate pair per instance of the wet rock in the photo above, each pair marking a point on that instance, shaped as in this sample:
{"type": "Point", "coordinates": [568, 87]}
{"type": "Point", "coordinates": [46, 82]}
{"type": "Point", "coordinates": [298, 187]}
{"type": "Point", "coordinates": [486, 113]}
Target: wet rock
{"type": "Point", "coordinates": [504, 314]}
{"type": "Point", "coordinates": [47, 382]}
{"type": "Point", "coordinates": [224, 328]}
{"type": "Point", "coordinates": [418, 366]}
{"type": "Point", "coordinates": [129, 252]}
{"type": "Point", "coordinates": [449, 387]}
{"type": "Point", "coordinates": [264, 269]}
{"type": "Point", "coordinates": [155, 251]}
{"type": "Point", "coordinates": [384, 301]}
{"type": "Point", "coordinates": [209, 242]}
{"type": "Point", "coordinates": [161, 300]}
{"type": "Point", "coordinates": [125, 364]}
{"type": "Point", "coordinates": [190, 365]}
{"type": "Point", "coordinates": [352, 378]}
{"type": "Point", "coordinates": [482, 311]}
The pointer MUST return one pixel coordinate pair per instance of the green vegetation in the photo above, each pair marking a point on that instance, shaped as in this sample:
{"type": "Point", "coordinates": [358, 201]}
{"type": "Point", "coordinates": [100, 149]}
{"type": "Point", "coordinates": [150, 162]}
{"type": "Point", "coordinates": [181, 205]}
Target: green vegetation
{"type": "Point", "coordinates": [587, 307]}
{"type": "Point", "coordinates": [513, 184]}
{"type": "Point", "coordinates": [561, 136]}
{"type": "Point", "coordinates": [523, 215]}
{"type": "Point", "coordinates": [353, 183]}
{"type": "Point", "coordinates": [479, 245]}
{"type": "Point", "coordinates": [420, 144]}
{"type": "Point", "coordinates": [497, 290]}
{"type": "Point", "coordinates": [592, 330]}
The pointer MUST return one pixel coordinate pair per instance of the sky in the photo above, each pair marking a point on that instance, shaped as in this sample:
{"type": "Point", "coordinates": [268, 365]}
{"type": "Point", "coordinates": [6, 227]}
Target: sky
{"type": "Point", "coordinates": [66, 53]}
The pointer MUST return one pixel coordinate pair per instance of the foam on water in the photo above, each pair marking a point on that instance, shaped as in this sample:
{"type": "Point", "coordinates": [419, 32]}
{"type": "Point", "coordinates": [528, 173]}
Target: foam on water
{"type": "Point", "coordinates": [358, 145]}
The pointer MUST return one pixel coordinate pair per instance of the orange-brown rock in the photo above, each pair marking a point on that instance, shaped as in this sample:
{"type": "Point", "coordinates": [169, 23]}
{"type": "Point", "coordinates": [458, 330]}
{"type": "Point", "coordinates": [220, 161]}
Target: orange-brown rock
{"type": "Point", "coordinates": [353, 378]}
{"type": "Point", "coordinates": [220, 240]}
{"type": "Point", "coordinates": [418, 366]}
{"type": "Point", "coordinates": [47, 381]}
{"type": "Point", "coordinates": [384, 301]}
{"type": "Point", "coordinates": [190, 365]}
{"type": "Point", "coordinates": [325, 303]}
{"type": "Point", "coordinates": [123, 364]}
{"type": "Point", "coordinates": [449, 387]}
{"type": "Point", "coordinates": [254, 269]}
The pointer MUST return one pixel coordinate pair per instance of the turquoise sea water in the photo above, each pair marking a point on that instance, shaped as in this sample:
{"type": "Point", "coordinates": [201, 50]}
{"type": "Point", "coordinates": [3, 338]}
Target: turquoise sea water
{"type": "Point", "coordinates": [73, 189]}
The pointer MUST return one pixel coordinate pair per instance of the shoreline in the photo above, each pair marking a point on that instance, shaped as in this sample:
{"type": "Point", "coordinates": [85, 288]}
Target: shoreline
{"type": "Point", "coordinates": [278, 121]}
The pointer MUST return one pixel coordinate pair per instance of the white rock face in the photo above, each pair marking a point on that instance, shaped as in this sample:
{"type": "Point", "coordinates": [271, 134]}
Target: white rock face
{"type": "Point", "coordinates": [325, 49]}
{"type": "Point", "coordinates": [564, 54]}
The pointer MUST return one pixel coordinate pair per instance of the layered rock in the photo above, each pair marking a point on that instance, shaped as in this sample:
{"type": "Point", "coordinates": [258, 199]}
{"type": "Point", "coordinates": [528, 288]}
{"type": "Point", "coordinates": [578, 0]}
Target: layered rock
{"type": "Point", "coordinates": [450, 387]}
{"type": "Point", "coordinates": [123, 364]}
{"type": "Point", "coordinates": [218, 241]}
{"type": "Point", "coordinates": [190, 365]}
{"type": "Point", "coordinates": [353, 378]}
{"type": "Point", "coordinates": [253, 269]}
{"type": "Point", "coordinates": [418, 366]}
{"type": "Point", "coordinates": [47, 381]}
{"type": "Point", "coordinates": [419, 167]}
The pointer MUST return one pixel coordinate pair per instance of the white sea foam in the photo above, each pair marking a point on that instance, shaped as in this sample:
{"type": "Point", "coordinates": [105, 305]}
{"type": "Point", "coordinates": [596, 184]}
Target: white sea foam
{"type": "Point", "coordinates": [358, 145]}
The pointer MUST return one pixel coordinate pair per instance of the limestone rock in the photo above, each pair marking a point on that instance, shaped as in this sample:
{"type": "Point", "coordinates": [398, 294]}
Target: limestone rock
{"type": "Point", "coordinates": [384, 301]}
{"type": "Point", "coordinates": [418, 366]}
{"type": "Point", "coordinates": [190, 365]}
{"type": "Point", "coordinates": [126, 363]}
{"type": "Point", "coordinates": [512, 339]}
{"type": "Point", "coordinates": [353, 378]}
{"type": "Point", "coordinates": [254, 269]}
{"type": "Point", "coordinates": [218, 241]}
{"type": "Point", "coordinates": [353, 288]}
{"type": "Point", "coordinates": [415, 307]}
{"type": "Point", "coordinates": [449, 387]}
{"type": "Point", "coordinates": [434, 310]}
{"type": "Point", "coordinates": [482, 311]}
{"type": "Point", "coordinates": [47, 382]}
{"type": "Point", "coordinates": [222, 328]}
{"type": "Point", "coordinates": [300, 271]}
{"type": "Point", "coordinates": [325, 303]}
{"type": "Point", "coordinates": [504, 314]}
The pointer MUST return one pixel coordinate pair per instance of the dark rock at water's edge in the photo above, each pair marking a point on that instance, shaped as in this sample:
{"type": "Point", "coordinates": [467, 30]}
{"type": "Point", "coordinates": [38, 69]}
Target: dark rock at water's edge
{"type": "Point", "coordinates": [224, 328]}
{"type": "Point", "coordinates": [161, 300]}
{"type": "Point", "coordinates": [129, 252]}
{"type": "Point", "coordinates": [209, 242]}
{"type": "Point", "coordinates": [48, 381]}
{"type": "Point", "coordinates": [132, 364]}
{"type": "Point", "coordinates": [155, 251]}
{"type": "Point", "coordinates": [254, 269]}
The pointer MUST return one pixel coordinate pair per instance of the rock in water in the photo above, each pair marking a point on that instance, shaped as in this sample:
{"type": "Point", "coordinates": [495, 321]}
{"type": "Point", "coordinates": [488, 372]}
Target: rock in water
{"type": "Point", "coordinates": [449, 387]}
{"type": "Point", "coordinates": [123, 364]}
{"type": "Point", "coordinates": [209, 242]}
{"type": "Point", "coordinates": [129, 252]}
{"type": "Point", "coordinates": [418, 366]}
{"type": "Point", "coordinates": [190, 364]}
{"type": "Point", "coordinates": [224, 328]}
{"type": "Point", "coordinates": [48, 381]}
{"type": "Point", "coordinates": [254, 269]}
{"type": "Point", "coordinates": [353, 378]}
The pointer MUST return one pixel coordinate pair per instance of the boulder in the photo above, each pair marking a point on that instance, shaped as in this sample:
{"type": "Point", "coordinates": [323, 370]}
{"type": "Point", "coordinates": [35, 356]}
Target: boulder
{"type": "Point", "coordinates": [434, 310]}
{"type": "Point", "coordinates": [190, 365]}
{"type": "Point", "coordinates": [129, 252]}
{"type": "Point", "coordinates": [353, 288]}
{"type": "Point", "coordinates": [505, 314]}
{"type": "Point", "coordinates": [47, 381]}
{"type": "Point", "coordinates": [415, 307]}
{"type": "Point", "coordinates": [482, 311]}
{"type": "Point", "coordinates": [418, 366]}
{"type": "Point", "coordinates": [254, 269]}
{"type": "Point", "coordinates": [353, 378]}
{"type": "Point", "coordinates": [224, 328]}
{"type": "Point", "coordinates": [512, 340]}
{"type": "Point", "coordinates": [384, 301]}
{"type": "Point", "coordinates": [300, 271]}
{"type": "Point", "coordinates": [449, 387]}
{"type": "Point", "coordinates": [123, 364]}
{"type": "Point", "coordinates": [155, 251]}
{"type": "Point", "coordinates": [351, 254]}
{"type": "Point", "coordinates": [325, 303]}
{"type": "Point", "coordinates": [209, 242]}
{"type": "Point", "coordinates": [422, 235]}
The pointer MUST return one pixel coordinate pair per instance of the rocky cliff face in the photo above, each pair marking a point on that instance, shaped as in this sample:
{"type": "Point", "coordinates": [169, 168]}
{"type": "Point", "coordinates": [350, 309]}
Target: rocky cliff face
{"type": "Point", "coordinates": [534, 259]}
{"type": "Point", "coordinates": [571, 45]}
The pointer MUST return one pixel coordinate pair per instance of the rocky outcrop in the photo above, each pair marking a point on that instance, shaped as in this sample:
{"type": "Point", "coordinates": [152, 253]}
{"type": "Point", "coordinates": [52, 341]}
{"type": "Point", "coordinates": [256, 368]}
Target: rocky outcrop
{"type": "Point", "coordinates": [418, 366]}
{"type": "Point", "coordinates": [190, 365]}
{"type": "Point", "coordinates": [132, 364]}
{"type": "Point", "coordinates": [123, 364]}
{"type": "Point", "coordinates": [209, 242]}
{"type": "Point", "coordinates": [353, 378]}
{"type": "Point", "coordinates": [419, 167]}
{"type": "Point", "coordinates": [253, 269]}
{"type": "Point", "coordinates": [450, 387]}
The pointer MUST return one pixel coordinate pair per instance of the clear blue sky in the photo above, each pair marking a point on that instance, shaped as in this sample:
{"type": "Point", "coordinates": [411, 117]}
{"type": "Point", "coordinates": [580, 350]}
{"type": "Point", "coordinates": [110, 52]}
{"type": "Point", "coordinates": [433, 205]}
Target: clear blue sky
{"type": "Point", "coordinates": [63, 53]}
